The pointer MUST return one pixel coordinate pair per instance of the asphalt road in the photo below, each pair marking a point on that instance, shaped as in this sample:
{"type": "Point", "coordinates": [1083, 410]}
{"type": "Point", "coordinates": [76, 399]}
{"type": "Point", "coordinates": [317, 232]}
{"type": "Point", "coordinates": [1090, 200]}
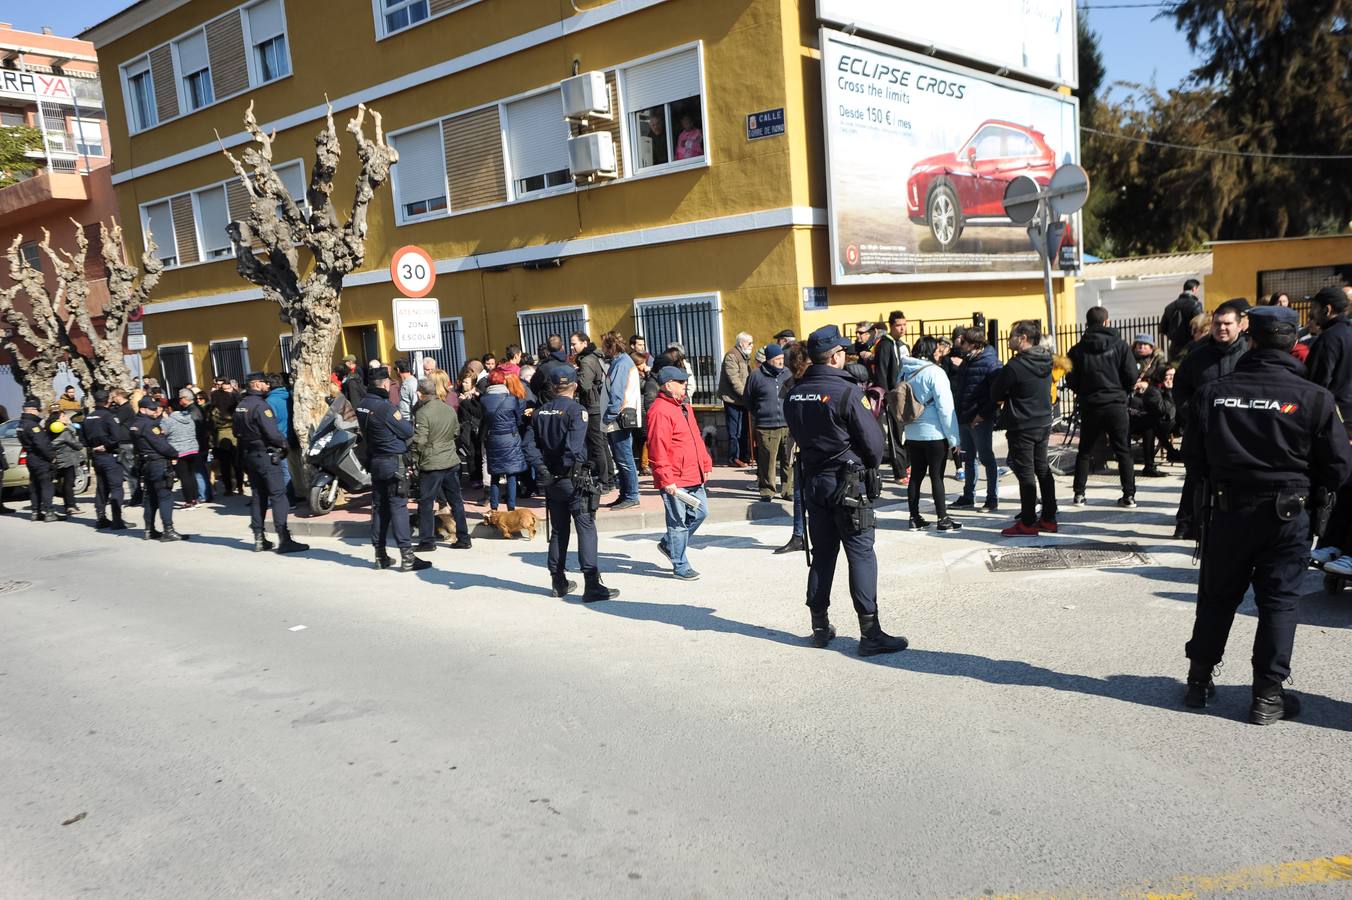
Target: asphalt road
{"type": "Point", "coordinates": [461, 733]}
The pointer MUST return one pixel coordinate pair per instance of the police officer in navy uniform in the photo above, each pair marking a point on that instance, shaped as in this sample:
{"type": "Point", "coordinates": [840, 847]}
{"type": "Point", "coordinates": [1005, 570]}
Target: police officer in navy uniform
{"type": "Point", "coordinates": [264, 448]}
{"type": "Point", "coordinates": [104, 435]}
{"type": "Point", "coordinates": [386, 434]}
{"type": "Point", "coordinates": [840, 450]}
{"type": "Point", "coordinates": [37, 442]}
{"type": "Point", "coordinates": [1264, 439]}
{"type": "Point", "coordinates": [556, 447]}
{"type": "Point", "coordinates": [155, 456]}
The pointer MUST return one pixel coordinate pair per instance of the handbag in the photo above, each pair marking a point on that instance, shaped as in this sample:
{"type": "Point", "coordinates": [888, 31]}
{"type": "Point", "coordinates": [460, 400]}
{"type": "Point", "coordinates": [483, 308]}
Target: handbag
{"type": "Point", "coordinates": [628, 418]}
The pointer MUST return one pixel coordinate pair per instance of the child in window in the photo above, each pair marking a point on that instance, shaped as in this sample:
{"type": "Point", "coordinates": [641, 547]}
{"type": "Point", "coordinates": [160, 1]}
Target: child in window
{"type": "Point", "coordinates": [690, 141]}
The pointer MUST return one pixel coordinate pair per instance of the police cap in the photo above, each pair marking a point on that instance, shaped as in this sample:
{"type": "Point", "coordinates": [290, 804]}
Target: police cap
{"type": "Point", "coordinates": [672, 373]}
{"type": "Point", "coordinates": [380, 373]}
{"type": "Point", "coordinates": [1332, 296]}
{"type": "Point", "coordinates": [563, 375]}
{"type": "Point", "coordinates": [825, 339]}
{"type": "Point", "coordinates": [786, 333]}
{"type": "Point", "coordinates": [256, 376]}
{"type": "Point", "coordinates": [1273, 320]}
{"type": "Point", "coordinates": [148, 403]}
{"type": "Point", "coordinates": [31, 402]}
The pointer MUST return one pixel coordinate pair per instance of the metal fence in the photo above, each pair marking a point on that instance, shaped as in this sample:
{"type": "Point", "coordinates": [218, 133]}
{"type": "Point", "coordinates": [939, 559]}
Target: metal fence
{"type": "Point", "coordinates": [175, 368]}
{"type": "Point", "coordinates": [696, 326]}
{"type": "Point", "coordinates": [537, 327]}
{"type": "Point", "coordinates": [451, 357]}
{"type": "Point", "coordinates": [230, 359]}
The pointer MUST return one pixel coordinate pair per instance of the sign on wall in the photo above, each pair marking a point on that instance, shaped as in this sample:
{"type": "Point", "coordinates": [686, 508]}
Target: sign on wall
{"type": "Point", "coordinates": [417, 324]}
{"type": "Point", "coordinates": [35, 86]}
{"type": "Point", "coordinates": [918, 156]}
{"type": "Point", "coordinates": [1035, 37]}
{"type": "Point", "coordinates": [765, 124]}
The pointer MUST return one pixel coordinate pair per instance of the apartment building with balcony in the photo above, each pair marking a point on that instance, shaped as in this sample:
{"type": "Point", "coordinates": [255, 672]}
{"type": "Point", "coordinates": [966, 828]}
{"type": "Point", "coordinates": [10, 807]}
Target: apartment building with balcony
{"type": "Point", "coordinates": [693, 231]}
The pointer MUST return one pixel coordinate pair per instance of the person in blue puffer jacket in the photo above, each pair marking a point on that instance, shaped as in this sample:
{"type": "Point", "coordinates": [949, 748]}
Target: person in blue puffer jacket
{"type": "Point", "coordinates": [976, 417]}
{"type": "Point", "coordinates": [932, 435]}
{"type": "Point", "coordinates": [504, 414]}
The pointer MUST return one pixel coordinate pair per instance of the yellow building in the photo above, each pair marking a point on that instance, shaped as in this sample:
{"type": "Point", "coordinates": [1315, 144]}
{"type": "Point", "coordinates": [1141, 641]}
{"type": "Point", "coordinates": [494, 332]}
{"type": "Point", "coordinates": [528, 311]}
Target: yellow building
{"type": "Point", "coordinates": [702, 234]}
{"type": "Point", "coordinates": [1297, 266]}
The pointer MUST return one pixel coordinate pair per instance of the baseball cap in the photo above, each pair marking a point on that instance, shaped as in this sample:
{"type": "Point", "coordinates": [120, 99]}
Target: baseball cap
{"type": "Point", "coordinates": [672, 373]}
{"type": "Point", "coordinates": [31, 402]}
{"type": "Point", "coordinates": [1144, 338]}
{"type": "Point", "coordinates": [826, 338]}
{"type": "Point", "coordinates": [148, 403]}
{"type": "Point", "coordinates": [562, 375]}
{"type": "Point", "coordinates": [1273, 320]}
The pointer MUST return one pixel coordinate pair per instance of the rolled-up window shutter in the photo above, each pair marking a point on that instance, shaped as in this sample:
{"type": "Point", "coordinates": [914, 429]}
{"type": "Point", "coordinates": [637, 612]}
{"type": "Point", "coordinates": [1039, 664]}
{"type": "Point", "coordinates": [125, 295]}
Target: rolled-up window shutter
{"type": "Point", "coordinates": [661, 81]}
{"type": "Point", "coordinates": [537, 135]}
{"type": "Point", "coordinates": [185, 229]}
{"type": "Point", "coordinates": [162, 74]}
{"type": "Point", "coordinates": [265, 21]}
{"type": "Point", "coordinates": [215, 216]}
{"type": "Point", "coordinates": [225, 50]}
{"type": "Point", "coordinates": [420, 173]}
{"type": "Point", "coordinates": [293, 176]}
{"type": "Point", "coordinates": [159, 227]}
{"type": "Point", "coordinates": [192, 53]}
{"type": "Point", "coordinates": [237, 200]}
{"type": "Point", "coordinates": [474, 164]}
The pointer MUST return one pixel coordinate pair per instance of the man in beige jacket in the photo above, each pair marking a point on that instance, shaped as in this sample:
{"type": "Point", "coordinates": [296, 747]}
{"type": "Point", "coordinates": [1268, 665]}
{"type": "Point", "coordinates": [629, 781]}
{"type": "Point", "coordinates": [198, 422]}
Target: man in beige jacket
{"type": "Point", "coordinates": [732, 390]}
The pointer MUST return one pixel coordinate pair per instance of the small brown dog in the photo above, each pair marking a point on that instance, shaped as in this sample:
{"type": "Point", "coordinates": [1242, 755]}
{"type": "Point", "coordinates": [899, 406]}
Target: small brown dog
{"type": "Point", "coordinates": [509, 523]}
{"type": "Point", "coordinates": [444, 523]}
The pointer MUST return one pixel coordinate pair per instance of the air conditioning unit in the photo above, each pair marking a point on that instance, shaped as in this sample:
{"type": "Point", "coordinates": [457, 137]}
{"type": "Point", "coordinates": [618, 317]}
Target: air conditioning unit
{"type": "Point", "coordinates": [585, 96]}
{"type": "Point", "coordinates": [592, 156]}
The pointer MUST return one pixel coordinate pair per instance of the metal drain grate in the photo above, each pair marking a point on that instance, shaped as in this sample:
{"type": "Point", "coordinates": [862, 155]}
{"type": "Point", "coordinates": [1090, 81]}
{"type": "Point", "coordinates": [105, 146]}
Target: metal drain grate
{"type": "Point", "coordinates": [13, 587]}
{"type": "Point", "coordinates": [1093, 555]}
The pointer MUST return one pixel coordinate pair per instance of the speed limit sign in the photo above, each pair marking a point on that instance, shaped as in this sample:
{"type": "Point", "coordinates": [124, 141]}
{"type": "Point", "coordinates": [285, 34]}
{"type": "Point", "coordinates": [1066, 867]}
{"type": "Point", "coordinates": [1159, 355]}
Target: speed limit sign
{"type": "Point", "coordinates": [412, 271]}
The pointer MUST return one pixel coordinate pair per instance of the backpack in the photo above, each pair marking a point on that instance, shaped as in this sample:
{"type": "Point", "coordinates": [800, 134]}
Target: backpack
{"type": "Point", "coordinates": [902, 403]}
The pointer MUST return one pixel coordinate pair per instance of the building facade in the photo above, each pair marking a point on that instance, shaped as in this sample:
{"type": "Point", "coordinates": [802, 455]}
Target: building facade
{"type": "Point", "coordinates": [52, 83]}
{"type": "Point", "coordinates": [698, 233]}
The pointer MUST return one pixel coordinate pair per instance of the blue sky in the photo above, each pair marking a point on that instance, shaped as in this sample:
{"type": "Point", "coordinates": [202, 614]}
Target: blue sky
{"type": "Point", "coordinates": [1135, 46]}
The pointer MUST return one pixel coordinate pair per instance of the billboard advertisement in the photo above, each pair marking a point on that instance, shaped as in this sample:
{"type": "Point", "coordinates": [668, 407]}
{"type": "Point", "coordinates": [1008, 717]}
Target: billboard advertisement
{"type": "Point", "coordinates": [1034, 37]}
{"type": "Point", "coordinates": [918, 156]}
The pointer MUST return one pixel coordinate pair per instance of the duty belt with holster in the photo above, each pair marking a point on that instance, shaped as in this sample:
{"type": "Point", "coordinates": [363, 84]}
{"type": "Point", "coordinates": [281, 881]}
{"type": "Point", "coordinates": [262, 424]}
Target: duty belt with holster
{"type": "Point", "coordinates": [1285, 502]}
{"type": "Point", "coordinates": [585, 483]}
{"type": "Point", "coordinates": [853, 500]}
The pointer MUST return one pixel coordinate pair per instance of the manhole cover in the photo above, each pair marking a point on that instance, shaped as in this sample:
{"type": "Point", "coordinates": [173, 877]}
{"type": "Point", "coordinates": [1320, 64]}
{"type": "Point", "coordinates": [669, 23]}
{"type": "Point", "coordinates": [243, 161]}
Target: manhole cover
{"type": "Point", "coordinates": [1066, 556]}
{"type": "Point", "coordinates": [11, 587]}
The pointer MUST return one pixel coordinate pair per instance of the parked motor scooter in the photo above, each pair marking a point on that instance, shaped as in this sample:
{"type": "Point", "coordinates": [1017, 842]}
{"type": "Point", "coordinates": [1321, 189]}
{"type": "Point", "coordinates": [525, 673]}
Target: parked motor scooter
{"type": "Point", "coordinates": [333, 458]}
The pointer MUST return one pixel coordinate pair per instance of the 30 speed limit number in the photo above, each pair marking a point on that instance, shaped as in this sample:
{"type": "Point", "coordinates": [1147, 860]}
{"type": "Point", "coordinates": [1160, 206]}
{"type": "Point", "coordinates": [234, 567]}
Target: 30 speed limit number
{"type": "Point", "coordinates": [413, 272]}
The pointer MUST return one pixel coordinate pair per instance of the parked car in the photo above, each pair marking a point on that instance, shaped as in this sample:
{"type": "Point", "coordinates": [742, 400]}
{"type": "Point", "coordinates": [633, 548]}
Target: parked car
{"type": "Point", "coordinates": [16, 476]}
{"type": "Point", "coordinates": [967, 187]}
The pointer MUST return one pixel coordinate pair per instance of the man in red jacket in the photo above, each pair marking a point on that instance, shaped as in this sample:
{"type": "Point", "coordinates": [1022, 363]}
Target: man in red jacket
{"type": "Point", "coordinates": [680, 464]}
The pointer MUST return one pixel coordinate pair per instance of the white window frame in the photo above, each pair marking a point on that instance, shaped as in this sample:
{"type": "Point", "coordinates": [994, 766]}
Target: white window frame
{"type": "Point", "coordinates": [199, 224]}
{"type": "Point", "coordinates": [630, 150]}
{"type": "Point", "coordinates": [192, 363]}
{"type": "Point", "coordinates": [82, 141]}
{"type": "Point", "coordinates": [508, 167]}
{"type": "Point", "coordinates": [135, 68]}
{"type": "Point", "coordinates": [244, 349]}
{"type": "Point", "coordinates": [36, 249]}
{"type": "Point", "coordinates": [173, 230]}
{"type": "Point", "coordinates": [197, 216]}
{"type": "Point", "coordinates": [283, 340]}
{"type": "Point", "coordinates": [399, 217]}
{"type": "Point", "coordinates": [630, 174]}
{"type": "Point", "coordinates": [382, 24]}
{"type": "Point", "coordinates": [181, 77]}
{"type": "Point", "coordinates": [677, 300]}
{"type": "Point", "coordinates": [141, 62]}
{"type": "Point", "coordinates": [382, 33]}
{"type": "Point", "coordinates": [572, 307]}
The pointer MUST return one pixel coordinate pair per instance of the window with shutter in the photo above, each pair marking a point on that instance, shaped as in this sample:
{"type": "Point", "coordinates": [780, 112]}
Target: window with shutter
{"type": "Point", "coordinates": [140, 94]}
{"type": "Point", "coordinates": [474, 166]}
{"type": "Point", "coordinates": [176, 367]}
{"type": "Point", "coordinates": [293, 177]}
{"type": "Point", "coordinates": [225, 53]}
{"type": "Point", "coordinates": [230, 359]}
{"type": "Point", "coordinates": [162, 76]}
{"type": "Point", "coordinates": [420, 174]}
{"type": "Point", "coordinates": [89, 138]}
{"type": "Point", "coordinates": [400, 14]}
{"type": "Point", "coordinates": [157, 224]}
{"type": "Point", "coordinates": [662, 101]}
{"type": "Point", "coordinates": [32, 255]}
{"type": "Point", "coordinates": [267, 32]}
{"type": "Point", "coordinates": [213, 216]}
{"type": "Point", "coordinates": [537, 143]}
{"type": "Point", "coordinates": [194, 71]}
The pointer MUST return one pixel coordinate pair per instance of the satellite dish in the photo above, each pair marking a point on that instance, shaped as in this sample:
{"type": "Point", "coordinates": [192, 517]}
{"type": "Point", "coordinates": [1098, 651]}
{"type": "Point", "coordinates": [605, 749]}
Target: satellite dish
{"type": "Point", "coordinates": [1068, 190]}
{"type": "Point", "coordinates": [1021, 200]}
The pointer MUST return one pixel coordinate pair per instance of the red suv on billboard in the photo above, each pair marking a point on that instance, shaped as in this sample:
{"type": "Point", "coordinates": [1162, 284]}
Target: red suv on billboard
{"type": "Point", "coordinates": [950, 190]}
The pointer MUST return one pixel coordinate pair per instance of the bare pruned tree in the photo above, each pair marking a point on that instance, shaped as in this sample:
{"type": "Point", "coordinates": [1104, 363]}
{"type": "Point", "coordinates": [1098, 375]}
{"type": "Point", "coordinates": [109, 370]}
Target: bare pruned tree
{"type": "Point", "coordinates": [299, 256]}
{"type": "Point", "coordinates": [49, 331]}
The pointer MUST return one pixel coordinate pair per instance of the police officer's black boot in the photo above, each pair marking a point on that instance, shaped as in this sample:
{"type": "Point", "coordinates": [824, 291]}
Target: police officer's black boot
{"type": "Point", "coordinates": [153, 535]}
{"type": "Point", "coordinates": [383, 559]}
{"type": "Point", "coordinates": [597, 591]}
{"type": "Point", "coordinates": [410, 563]}
{"type": "Point", "coordinates": [289, 544]}
{"type": "Point", "coordinates": [562, 585]}
{"type": "Point", "coordinates": [822, 629]}
{"type": "Point", "coordinates": [117, 523]}
{"type": "Point", "coordinates": [795, 545]}
{"type": "Point", "coordinates": [261, 542]}
{"type": "Point", "coordinates": [103, 524]}
{"type": "Point", "coordinates": [1200, 687]}
{"type": "Point", "coordinates": [1271, 703]}
{"type": "Point", "coordinates": [873, 640]}
{"type": "Point", "coordinates": [170, 535]}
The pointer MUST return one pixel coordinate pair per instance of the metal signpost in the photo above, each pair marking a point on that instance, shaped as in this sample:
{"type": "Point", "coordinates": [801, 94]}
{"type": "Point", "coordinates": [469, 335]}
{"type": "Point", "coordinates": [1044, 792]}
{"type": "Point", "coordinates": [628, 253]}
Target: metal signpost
{"type": "Point", "coordinates": [1044, 211]}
